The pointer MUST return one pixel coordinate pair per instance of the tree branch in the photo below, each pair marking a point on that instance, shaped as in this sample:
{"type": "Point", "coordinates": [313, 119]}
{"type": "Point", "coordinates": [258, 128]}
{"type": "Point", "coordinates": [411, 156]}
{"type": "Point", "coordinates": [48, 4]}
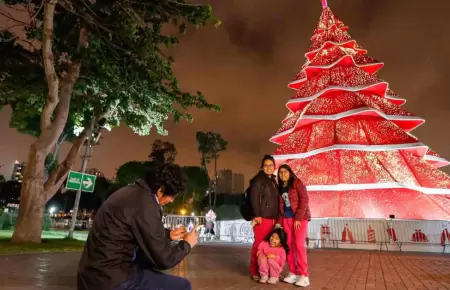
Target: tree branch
{"type": "Point", "coordinates": [49, 66]}
{"type": "Point", "coordinates": [58, 175]}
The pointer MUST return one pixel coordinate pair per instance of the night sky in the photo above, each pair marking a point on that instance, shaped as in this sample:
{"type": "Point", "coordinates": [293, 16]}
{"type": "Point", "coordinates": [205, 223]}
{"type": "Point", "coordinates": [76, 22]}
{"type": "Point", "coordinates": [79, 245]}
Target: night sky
{"type": "Point", "coordinates": [246, 63]}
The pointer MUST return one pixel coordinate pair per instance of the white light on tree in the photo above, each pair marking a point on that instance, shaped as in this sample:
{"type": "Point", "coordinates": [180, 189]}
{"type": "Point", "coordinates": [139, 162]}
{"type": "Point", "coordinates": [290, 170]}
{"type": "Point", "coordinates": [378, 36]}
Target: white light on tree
{"type": "Point", "coordinates": [52, 210]}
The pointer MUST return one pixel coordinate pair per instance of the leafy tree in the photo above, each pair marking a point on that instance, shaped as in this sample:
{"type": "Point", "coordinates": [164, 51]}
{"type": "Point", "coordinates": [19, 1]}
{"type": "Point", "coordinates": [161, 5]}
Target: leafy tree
{"type": "Point", "coordinates": [2, 178]}
{"type": "Point", "coordinates": [97, 62]}
{"type": "Point", "coordinates": [163, 152]}
{"type": "Point", "coordinates": [210, 145]}
{"type": "Point", "coordinates": [102, 188]}
{"type": "Point", "coordinates": [132, 170]}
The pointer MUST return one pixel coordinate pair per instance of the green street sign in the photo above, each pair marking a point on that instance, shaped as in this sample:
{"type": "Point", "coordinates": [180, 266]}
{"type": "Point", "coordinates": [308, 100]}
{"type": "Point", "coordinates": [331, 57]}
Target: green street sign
{"type": "Point", "coordinates": [78, 180]}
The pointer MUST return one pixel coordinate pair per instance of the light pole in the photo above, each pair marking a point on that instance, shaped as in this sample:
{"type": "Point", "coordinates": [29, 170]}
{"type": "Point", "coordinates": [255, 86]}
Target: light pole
{"type": "Point", "coordinates": [92, 138]}
{"type": "Point", "coordinates": [86, 155]}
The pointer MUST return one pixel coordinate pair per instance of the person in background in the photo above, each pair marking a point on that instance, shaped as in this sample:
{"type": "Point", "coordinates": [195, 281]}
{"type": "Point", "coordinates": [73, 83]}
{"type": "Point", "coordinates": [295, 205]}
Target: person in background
{"type": "Point", "coordinates": [264, 201]}
{"type": "Point", "coordinates": [272, 256]}
{"type": "Point", "coordinates": [294, 217]}
{"type": "Point", "coordinates": [128, 244]}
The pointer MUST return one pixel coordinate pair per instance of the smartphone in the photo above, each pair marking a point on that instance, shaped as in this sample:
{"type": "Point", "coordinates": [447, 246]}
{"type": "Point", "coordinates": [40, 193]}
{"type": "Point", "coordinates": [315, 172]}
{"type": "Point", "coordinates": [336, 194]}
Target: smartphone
{"type": "Point", "coordinates": [190, 227]}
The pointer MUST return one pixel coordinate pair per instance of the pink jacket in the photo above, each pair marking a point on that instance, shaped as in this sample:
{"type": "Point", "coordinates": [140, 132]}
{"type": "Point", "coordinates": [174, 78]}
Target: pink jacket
{"type": "Point", "coordinates": [279, 252]}
{"type": "Point", "coordinates": [298, 197]}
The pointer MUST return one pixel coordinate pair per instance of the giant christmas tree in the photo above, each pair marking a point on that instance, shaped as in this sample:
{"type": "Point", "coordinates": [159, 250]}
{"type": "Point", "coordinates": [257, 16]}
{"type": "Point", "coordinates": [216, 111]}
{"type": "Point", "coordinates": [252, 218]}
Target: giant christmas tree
{"type": "Point", "coordinates": [349, 140]}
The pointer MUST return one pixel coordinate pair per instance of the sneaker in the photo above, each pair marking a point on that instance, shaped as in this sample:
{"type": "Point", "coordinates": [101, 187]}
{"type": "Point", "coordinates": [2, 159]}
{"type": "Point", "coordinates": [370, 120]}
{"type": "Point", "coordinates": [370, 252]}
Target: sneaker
{"type": "Point", "coordinates": [255, 278]}
{"type": "Point", "coordinates": [264, 279]}
{"type": "Point", "coordinates": [303, 282]}
{"type": "Point", "coordinates": [272, 280]}
{"type": "Point", "coordinates": [291, 278]}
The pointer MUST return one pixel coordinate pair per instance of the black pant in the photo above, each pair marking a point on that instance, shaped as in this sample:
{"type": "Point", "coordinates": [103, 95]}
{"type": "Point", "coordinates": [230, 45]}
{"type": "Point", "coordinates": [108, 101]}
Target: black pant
{"type": "Point", "coordinates": [147, 279]}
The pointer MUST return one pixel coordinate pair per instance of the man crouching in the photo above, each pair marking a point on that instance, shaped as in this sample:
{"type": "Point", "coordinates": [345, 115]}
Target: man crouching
{"type": "Point", "coordinates": [128, 243]}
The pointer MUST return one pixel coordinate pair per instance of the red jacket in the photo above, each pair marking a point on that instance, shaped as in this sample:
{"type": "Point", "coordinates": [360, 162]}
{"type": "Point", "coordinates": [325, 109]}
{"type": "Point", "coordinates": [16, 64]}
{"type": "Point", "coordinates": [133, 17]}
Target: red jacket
{"type": "Point", "coordinates": [298, 197]}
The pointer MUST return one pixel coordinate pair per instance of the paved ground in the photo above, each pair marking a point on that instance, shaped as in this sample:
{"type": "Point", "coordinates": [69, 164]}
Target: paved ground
{"type": "Point", "coordinates": [224, 267]}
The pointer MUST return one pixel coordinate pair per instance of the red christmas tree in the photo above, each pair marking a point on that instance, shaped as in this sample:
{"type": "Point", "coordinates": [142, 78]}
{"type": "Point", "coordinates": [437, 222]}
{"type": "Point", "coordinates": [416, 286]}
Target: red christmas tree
{"type": "Point", "coordinates": [348, 139]}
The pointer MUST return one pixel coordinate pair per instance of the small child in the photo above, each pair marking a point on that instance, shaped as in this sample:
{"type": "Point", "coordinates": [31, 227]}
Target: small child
{"type": "Point", "coordinates": [272, 256]}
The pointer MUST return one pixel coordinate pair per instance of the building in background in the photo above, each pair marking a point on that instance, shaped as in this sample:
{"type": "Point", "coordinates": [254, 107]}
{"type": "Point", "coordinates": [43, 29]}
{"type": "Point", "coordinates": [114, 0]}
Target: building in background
{"type": "Point", "coordinates": [225, 181]}
{"type": "Point", "coordinates": [18, 171]}
{"type": "Point", "coordinates": [238, 183]}
{"type": "Point", "coordinates": [95, 171]}
{"type": "Point", "coordinates": [229, 182]}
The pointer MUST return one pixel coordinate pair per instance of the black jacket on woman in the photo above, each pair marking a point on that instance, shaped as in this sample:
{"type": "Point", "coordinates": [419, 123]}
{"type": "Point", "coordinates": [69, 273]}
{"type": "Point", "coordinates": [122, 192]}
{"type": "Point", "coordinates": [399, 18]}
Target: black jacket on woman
{"type": "Point", "coordinates": [264, 196]}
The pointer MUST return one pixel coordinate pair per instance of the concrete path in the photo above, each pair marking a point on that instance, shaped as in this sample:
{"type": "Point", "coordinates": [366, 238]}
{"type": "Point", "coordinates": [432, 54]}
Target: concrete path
{"type": "Point", "coordinates": [224, 267]}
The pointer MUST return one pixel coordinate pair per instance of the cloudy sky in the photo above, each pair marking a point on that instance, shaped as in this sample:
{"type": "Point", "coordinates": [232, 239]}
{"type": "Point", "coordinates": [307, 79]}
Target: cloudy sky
{"type": "Point", "coordinates": [246, 63]}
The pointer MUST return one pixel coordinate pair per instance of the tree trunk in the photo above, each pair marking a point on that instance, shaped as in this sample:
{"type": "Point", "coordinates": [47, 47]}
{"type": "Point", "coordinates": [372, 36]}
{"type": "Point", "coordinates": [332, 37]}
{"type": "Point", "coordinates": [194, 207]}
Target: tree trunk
{"type": "Point", "coordinates": [32, 200]}
{"type": "Point", "coordinates": [215, 183]}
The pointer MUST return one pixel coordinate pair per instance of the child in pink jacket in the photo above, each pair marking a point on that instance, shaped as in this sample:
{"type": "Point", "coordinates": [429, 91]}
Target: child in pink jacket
{"type": "Point", "coordinates": [272, 256]}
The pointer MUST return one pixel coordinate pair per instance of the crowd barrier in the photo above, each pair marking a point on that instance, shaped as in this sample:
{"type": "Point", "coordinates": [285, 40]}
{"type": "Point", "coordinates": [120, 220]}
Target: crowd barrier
{"type": "Point", "coordinates": [363, 234]}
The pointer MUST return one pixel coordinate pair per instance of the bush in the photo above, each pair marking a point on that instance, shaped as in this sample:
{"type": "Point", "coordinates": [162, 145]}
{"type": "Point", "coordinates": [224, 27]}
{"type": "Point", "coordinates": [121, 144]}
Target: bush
{"type": "Point", "coordinates": [7, 223]}
{"type": "Point", "coordinates": [47, 224]}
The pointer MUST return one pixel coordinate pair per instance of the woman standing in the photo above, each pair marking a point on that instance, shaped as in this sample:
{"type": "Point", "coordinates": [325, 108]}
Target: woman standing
{"type": "Point", "coordinates": [264, 199]}
{"type": "Point", "coordinates": [294, 217]}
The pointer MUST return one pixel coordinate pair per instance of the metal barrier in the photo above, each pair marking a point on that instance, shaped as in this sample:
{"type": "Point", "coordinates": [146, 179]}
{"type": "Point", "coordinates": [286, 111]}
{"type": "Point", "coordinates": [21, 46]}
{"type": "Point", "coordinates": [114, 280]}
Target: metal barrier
{"type": "Point", "coordinates": [364, 234]}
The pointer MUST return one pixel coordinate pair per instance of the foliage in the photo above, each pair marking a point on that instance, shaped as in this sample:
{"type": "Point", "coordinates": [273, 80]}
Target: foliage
{"type": "Point", "coordinates": [197, 184]}
{"type": "Point", "coordinates": [196, 177]}
{"type": "Point", "coordinates": [2, 178]}
{"type": "Point", "coordinates": [228, 212]}
{"type": "Point", "coordinates": [210, 145]}
{"type": "Point", "coordinates": [102, 188]}
{"type": "Point", "coordinates": [132, 170]}
{"type": "Point", "coordinates": [163, 152]}
{"type": "Point", "coordinates": [124, 73]}
{"type": "Point", "coordinates": [99, 62]}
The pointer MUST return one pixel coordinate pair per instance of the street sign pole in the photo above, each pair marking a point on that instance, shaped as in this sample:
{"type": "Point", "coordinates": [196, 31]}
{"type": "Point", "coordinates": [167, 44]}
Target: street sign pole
{"type": "Point", "coordinates": [86, 155]}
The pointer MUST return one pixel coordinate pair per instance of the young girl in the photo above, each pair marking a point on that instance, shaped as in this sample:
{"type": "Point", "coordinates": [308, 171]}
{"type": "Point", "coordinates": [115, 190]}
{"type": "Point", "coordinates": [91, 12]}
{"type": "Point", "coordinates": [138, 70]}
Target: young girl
{"type": "Point", "coordinates": [272, 256]}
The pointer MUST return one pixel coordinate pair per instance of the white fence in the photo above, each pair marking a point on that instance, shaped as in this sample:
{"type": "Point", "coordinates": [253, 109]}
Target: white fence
{"type": "Point", "coordinates": [364, 234]}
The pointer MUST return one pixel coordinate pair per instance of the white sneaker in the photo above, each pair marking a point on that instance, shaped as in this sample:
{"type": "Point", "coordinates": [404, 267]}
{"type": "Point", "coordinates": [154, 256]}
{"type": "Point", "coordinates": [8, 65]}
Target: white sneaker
{"type": "Point", "coordinates": [303, 282]}
{"type": "Point", "coordinates": [272, 280]}
{"type": "Point", "coordinates": [291, 278]}
{"type": "Point", "coordinates": [263, 279]}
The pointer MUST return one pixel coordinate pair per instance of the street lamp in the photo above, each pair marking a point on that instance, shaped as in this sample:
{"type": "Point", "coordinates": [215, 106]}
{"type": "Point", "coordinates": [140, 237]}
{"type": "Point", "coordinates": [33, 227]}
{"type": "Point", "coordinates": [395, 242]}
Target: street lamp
{"type": "Point", "coordinates": [52, 210]}
{"type": "Point", "coordinates": [183, 211]}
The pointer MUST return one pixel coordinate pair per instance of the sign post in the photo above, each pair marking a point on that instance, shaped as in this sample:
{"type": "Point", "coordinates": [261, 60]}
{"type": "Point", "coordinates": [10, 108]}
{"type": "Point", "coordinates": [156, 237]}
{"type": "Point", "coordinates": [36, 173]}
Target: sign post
{"type": "Point", "coordinates": [81, 181]}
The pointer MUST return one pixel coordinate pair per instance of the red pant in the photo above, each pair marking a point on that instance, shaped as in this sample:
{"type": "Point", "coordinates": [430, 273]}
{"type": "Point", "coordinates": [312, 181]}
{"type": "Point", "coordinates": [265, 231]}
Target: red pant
{"type": "Point", "coordinates": [297, 257]}
{"type": "Point", "coordinates": [269, 267]}
{"type": "Point", "coordinates": [260, 232]}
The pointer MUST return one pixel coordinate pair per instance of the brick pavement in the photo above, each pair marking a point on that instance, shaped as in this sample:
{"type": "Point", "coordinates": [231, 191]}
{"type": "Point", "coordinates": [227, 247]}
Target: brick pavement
{"type": "Point", "coordinates": [224, 267]}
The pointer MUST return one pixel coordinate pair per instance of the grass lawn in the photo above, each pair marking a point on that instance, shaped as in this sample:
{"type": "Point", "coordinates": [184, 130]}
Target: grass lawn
{"type": "Point", "coordinates": [52, 241]}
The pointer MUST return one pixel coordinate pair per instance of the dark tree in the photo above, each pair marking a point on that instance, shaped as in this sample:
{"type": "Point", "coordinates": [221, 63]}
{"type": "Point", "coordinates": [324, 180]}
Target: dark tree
{"type": "Point", "coordinates": [210, 145]}
{"type": "Point", "coordinates": [92, 61]}
{"type": "Point", "coordinates": [163, 152]}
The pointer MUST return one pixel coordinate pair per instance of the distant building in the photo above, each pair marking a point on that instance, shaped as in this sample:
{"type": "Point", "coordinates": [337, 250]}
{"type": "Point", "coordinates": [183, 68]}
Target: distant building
{"type": "Point", "coordinates": [95, 171]}
{"type": "Point", "coordinates": [225, 181]}
{"type": "Point", "coordinates": [238, 183]}
{"type": "Point", "coordinates": [18, 171]}
{"type": "Point", "coordinates": [229, 182]}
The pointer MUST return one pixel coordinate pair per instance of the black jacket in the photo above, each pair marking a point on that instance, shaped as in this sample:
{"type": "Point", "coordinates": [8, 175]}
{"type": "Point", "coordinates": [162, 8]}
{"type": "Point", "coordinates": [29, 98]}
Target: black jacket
{"type": "Point", "coordinates": [264, 196]}
{"type": "Point", "coordinates": [129, 220]}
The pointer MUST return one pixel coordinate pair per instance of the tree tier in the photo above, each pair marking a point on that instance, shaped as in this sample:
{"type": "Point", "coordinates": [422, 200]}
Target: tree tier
{"type": "Point", "coordinates": [377, 88]}
{"type": "Point", "coordinates": [341, 105]}
{"type": "Point", "coordinates": [335, 56]}
{"type": "Point", "coordinates": [379, 203]}
{"type": "Point", "coordinates": [347, 131]}
{"type": "Point", "coordinates": [354, 169]}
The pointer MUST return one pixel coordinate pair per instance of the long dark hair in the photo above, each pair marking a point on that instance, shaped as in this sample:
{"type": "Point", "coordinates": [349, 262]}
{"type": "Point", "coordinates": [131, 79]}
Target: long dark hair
{"type": "Point", "coordinates": [292, 177]}
{"type": "Point", "coordinates": [283, 238]}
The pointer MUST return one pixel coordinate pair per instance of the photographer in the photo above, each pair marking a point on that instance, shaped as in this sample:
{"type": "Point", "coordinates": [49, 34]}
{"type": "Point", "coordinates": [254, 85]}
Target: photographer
{"type": "Point", "coordinates": [128, 244]}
